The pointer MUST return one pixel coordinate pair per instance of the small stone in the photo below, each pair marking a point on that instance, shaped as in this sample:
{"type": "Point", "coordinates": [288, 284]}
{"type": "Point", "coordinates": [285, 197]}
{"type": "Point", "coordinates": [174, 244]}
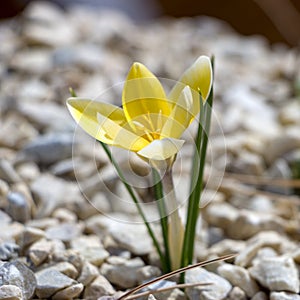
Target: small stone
{"type": "Point", "coordinates": [7, 172]}
{"type": "Point", "coordinates": [239, 277]}
{"type": "Point", "coordinates": [18, 207]}
{"type": "Point", "coordinates": [91, 249]}
{"type": "Point", "coordinates": [64, 231]}
{"type": "Point", "coordinates": [227, 246]}
{"type": "Point", "coordinates": [237, 294]}
{"type": "Point", "coordinates": [50, 281]}
{"type": "Point", "coordinates": [8, 251]}
{"type": "Point", "coordinates": [284, 296]}
{"type": "Point", "coordinates": [220, 214]}
{"type": "Point", "coordinates": [29, 236]}
{"type": "Point", "coordinates": [151, 297]}
{"type": "Point", "coordinates": [70, 256]}
{"type": "Point", "coordinates": [49, 148]}
{"type": "Point", "coordinates": [219, 287]}
{"type": "Point", "coordinates": [146, 273]}
{"type": "Point", "coordinates": [263, 239]}
{"type": "Point", "coordinates": [17, 274]}
{"type": "Point", "coordinates": [88, 273]}
{"type": "Point", "coordinates": [99, 287]}
{"type": "Point", "coordinates": [42, 224]}
{"type": "Point", "coordinates": [70, 292]}
{"type": "Point", "coordinates": [10, 292]}
{"type": "Point", "coordinates": [4, 218]}
{"type": "Point", "coordinates": [249, 223]}
{"type": "Point", "coordinates": [51, 193]}
{"type": "Point", "coordinates": [177, 294]}
{"type": "Point", "coordinates": [40, 251]}
{"type": "Point", "coordinates": [11, 231]}
{"type": "Point", "coordinates": [276, 274]}
{"type": "Point", "coordinates": [64, 215]}
{"type": "Point", "coordinates": [65, 268]}
{"type": "Point", "coordinates": [133, 238]}
{"type": "Point", "coordinates": [260, 296]}
{"type": "Point", "coordinates": [124, 274]}
{"type": "Point", "coordinates": [29, 171]}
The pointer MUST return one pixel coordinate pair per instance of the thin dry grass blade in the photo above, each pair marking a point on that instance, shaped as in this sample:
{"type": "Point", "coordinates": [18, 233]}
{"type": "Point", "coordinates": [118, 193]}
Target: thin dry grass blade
{"type": "Point", "coordinates": [165, 276]}
{"type": "Point", "coordinates": [179, 286]}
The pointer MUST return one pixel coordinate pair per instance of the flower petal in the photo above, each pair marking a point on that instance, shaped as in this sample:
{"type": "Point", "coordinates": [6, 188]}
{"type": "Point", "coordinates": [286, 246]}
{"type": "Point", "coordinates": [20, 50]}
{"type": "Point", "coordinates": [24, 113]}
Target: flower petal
{"type": "Point", "coordinates": [183, 112]}
{"type": "Point", "coordinates": [161, 149]}
{"type": "Point", "coordinates": [199, 77]}
{"type": "Point", "coordinates": [84, 111]}
{"type": "Point", "coordinates": [120, 135]}
{"type": "Point", "coordinates": [143, 95]}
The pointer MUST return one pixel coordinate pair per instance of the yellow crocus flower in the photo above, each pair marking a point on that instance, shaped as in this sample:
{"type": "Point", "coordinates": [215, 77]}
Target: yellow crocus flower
{"type": "Point", "coordinates": [149, 123]}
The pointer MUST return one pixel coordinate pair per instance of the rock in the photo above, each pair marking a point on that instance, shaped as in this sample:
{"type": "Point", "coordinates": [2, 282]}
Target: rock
{"type": "Point", "coordinates": [50, 281]}
{"type": "Point", "coordinates": [220, 215]}
{"type": "Point", "coordinates": [290, 114]}
{"type": "Point", "coordinates": [28, 171]}
{"type": "Point", "coordinates": [249, 223]}
{"type": "Point", "coordinates": [29, 236]}
{"type": "Point", "coordinates": [219, 287]}
{"type": "Point", "coordinates": [64, 231]}
{"type": "Point", "coordinates": [11, 231]}
{"type": "Point", "coordinates": [53, 117]}
{"type": "Point", "coordinates": [33, 61]}
{"type": "Point", "coordinates": [239, 277]}
{"type": "Point", "coordinates": [97, 288]}
{"type": "Point", "coordinates": [276, 274]}
{"type": "Point", "coordinates": [151, 297]}
{"type": "Point", "coordinates": [5, 219]}
{"type": "Point", "coordinates": [17, 274]}
{"type": "Point", "coordinates": [91, 249]}
{"type": "Point", "coordinates": [227, 246]}
{"type": "Point", "coordinates": [284, 296]}
{"type": "Point", "coordinates": [148, 272]}
{"type": "Point", "coordinates": [88, 273]}
{"type": "Point", "coordinates": [40, 251]}
{"type": "Point", "coordinates": [49, 149]}
{"type": "Point", "coordinates": [65, 268]}
{"type": "Point", "coordinates": [237, 294]}
{"type": "Point", "coordinates": [281, 144]}
{"type": "Point", "coordinates": [18, 207]}
{"type": "Point", "coordinates": [263, 239]}
{"type": "Point", "coordinates": [7, 172]}
{"type": "Point", "coordinates": [123, 273]}
{"type": "Point", "coordinates": [10, 292]}
{"type": "Point", "coordinates": [51, 193]}
{"type": "Point", "coordinates": [69, 255]}
{"type": "Point", "coordinates": [42, 224]}
{"type": "Point", "coordinates": [64, 215]}
{"type": "Point", "coordinates": [70, 292]}
{"type": "Point", "coordinates": [8, 251]}
{"type": "Point", "coordinates": [133, 238]}
{"type": "Point", "coordinates": [260, 296]}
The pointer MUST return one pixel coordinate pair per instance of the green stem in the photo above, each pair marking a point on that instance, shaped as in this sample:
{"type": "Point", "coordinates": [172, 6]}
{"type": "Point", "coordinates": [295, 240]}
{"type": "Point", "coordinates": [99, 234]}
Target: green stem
{"type": "Point", "coordinates": [197, 180]}
{"type": "Point", "coordinates": [159, 196]}
{"type": "Point", "coordinates": [135, 200]}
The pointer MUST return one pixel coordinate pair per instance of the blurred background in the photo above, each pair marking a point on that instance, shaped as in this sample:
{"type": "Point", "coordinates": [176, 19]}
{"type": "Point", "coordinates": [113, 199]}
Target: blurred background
{"type": "Point", "coordinates": [277, 20]}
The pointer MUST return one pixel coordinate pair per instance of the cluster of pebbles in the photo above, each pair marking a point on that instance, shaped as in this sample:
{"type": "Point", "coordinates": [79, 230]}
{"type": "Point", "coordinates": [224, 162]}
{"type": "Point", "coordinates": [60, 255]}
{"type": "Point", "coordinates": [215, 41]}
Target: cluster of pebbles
{"type": "Point", "coordinates": [68, 228]}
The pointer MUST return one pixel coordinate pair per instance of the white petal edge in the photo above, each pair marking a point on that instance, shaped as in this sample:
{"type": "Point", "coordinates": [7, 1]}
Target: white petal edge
{"type": "Point", "coordinates": [161, 149]}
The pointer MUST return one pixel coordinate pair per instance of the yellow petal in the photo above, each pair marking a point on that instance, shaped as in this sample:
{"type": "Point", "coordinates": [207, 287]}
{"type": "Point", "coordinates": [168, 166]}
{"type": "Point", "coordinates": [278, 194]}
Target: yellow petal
{"type": "Point", "coordinates": [85, 111]}
{"type": "Point", "coordinates": [199, 77]}
{"type": "Point", "coordinates": [143, 95]}
{"type": "Point", "coordinates": [161, 149]}
{"type": "Point", "coordinates": [120, 135]}
{"type": "Point", "coordinates": [183, 112]}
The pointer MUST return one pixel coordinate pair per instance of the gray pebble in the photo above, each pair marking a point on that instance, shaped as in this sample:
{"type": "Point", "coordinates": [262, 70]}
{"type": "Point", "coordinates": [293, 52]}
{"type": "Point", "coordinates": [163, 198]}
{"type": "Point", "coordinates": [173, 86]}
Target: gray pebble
{"type": "Point", "coordinates": [50, 281]}
{"type": "Point", "coordinates": [17, 274]}
{"type": "Point", "coordinates": [8, 251]}
{"type": "Point", "coordinates": [18, 207]}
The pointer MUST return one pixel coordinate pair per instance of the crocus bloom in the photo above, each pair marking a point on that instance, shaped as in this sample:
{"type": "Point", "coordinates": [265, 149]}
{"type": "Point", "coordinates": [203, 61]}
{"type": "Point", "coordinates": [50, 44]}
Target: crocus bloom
{"type": "Point", "coordinates": [149, 122]}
